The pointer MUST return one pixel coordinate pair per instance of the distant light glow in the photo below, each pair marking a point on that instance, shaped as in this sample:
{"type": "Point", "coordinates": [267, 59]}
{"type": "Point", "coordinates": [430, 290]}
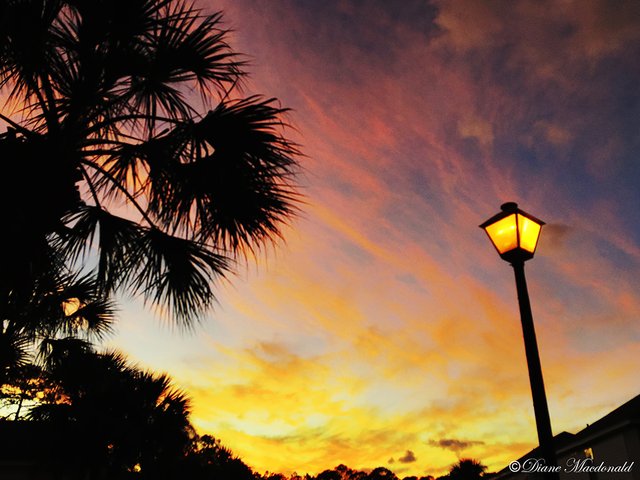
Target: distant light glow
{"type": "Point", "coordinates": [71, 306]}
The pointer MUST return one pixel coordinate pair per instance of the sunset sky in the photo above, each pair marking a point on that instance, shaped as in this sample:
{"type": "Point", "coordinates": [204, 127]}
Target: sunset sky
{"type": "Point", "coordinates": [384, 331]}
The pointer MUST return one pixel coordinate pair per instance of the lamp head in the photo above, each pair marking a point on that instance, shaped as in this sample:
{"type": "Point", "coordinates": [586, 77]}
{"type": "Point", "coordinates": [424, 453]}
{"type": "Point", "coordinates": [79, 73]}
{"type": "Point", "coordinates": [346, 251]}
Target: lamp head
{"type": "Point", "coordinates": [513, 233]}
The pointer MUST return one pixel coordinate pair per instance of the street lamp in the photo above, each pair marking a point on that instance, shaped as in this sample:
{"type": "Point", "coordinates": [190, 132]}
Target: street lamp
{"type": "Point", "coordinates": [514, 234]}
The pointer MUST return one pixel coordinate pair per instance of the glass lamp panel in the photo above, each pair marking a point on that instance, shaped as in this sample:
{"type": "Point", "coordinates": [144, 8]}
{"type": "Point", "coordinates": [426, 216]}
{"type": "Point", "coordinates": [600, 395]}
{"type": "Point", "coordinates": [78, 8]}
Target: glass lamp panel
{"type": "Point", "coordinates": [503, 233]}
{"type": "Point", "coordinates": [529, 233]}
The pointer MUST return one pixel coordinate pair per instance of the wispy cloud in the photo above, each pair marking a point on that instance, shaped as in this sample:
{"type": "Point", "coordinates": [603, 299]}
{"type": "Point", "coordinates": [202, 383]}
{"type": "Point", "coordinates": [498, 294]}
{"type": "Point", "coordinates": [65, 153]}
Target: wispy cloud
{"type": "Point", "coordinates": [386, 321]}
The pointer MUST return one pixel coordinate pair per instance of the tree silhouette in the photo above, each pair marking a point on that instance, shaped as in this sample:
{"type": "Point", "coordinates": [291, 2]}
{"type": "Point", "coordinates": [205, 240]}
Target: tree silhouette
{"type": "Point", "coordinates": [334, 474]}
{"type": "Point", "coordinates": [105, 96]}
{"type": "Point", "coordinates": [467, 469]}
{"type": "Point", "coordinates": [123, 419]}
{"type": "Point", "coordinates": [381, 473]}
{"type": "Point", "coordinates": [342, 472]}
{"type": "Point", "coordinates": [208, 458]}
{"type": "Point", "coordinates": [56, 306]}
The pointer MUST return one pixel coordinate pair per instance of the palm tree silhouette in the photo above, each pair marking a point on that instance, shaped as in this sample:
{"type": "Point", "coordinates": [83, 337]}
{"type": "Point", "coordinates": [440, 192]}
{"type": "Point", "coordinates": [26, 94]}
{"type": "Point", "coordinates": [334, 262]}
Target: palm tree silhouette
{"type": "Point", "coordinates": [55, 307]}
{"type": "Point", "coordinates": [467, 469]}
{"type": "Point", "coordinates": [124, 419]}
{"type": "Point", "coordinates": [112, 162]}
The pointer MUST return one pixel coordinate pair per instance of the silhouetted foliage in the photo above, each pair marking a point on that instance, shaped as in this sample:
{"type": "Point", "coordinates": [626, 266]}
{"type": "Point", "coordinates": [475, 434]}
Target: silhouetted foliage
{"type": "Point", "coordinates": [111, 420]}
{"type": "Point", "coordinates": [26, 386]}
{"type": "Point", "coordinates": [342, 472]}
{"type": "Point", "coordinates": [350, 474]}
{"type": "Point", "coordinates": [329, 475]}
{"type": "Point", "coordinates": [104, 115]}
{"type": "Point", "coordinates": [381, 473]}
{"type": "Point", "coordinates": [128, 419]}
{"type": "Point", "coordinates": [209, 459]}
{"type": "Point", "coordinates": [56, 305]}
{"type": "Point", "coordinates": [467, 469]}
{"type": "Point", "coordinates": [106, 118]}
{"type": "Point", "coordinates": [273, 476]}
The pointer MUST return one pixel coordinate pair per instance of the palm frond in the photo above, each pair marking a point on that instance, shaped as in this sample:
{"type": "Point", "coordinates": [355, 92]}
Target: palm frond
{"type": "Point", "coordinates": [59, 413]}
{"type": "Point", "coordinates": [169, 270]}
{"type": "Point", "coordinates": [235, 173]}
{"type": "Point", "coordinates": [194, 47]}
{"type": "Point", "coordinates": [56, 351]}
{"type": "Point", "coordinates": [105, 108]}
{"type": "Point", "coordinates": [119, 243]}
{"type": "Point", "coordinates": [179, 49]}
{"type": "Point", "coordinates": [67, 305]}
{"type": "Point", "coordinates": [14, 352]}
{"type": "Point", "coordinates": [179, 273]}
{"type": "Point", "coordinates": [125, 166]}
{"type": "Point", "coordinates": [27, 52]}
{"type": "Point", "coordinates": [87, 312]}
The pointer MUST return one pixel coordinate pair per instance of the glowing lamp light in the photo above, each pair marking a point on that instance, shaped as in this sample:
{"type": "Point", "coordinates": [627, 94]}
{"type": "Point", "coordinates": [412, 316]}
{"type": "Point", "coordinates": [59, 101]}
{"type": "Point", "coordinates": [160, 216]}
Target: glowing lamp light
{"type": "Point", "coordinates": [514, 233]}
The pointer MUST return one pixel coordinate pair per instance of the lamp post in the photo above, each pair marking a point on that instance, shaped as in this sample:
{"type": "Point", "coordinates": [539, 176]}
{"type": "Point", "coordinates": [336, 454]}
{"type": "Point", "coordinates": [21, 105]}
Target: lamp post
{"type": "Point", "coordinates": [514, 234]}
